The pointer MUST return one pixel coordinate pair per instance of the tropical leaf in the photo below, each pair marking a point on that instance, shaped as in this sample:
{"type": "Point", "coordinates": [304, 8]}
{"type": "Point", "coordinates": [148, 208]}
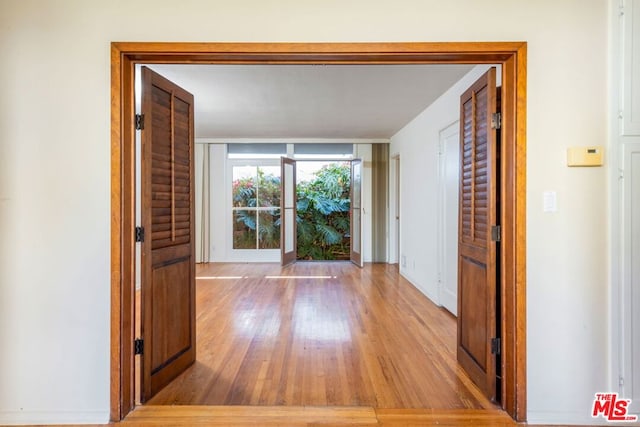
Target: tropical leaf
{"type": "Point", "coordinates": [342, 223]}
{"type": "Point", "coordinates": [330, 236]}
{"type": "Point", "coordinates": [247, 217]}
{"type": "Point", "coordinates": [325, 206]}
{"type": "Point", "coordinates": [302, 204]}
{"type": "Point", "coordinates": [305, 233]}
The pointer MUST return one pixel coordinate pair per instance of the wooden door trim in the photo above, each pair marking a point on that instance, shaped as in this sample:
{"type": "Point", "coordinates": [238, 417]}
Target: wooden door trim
{"type": "Point", "coordinates": [512, 57]}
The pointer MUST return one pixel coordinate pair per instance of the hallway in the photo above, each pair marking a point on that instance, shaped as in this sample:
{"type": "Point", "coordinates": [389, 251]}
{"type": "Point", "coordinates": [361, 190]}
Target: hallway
{"type": "Point", "coordinates": [320, 334]}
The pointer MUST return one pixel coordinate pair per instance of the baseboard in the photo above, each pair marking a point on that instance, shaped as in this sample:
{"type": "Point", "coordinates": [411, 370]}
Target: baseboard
{"type": "Point", "coordinates": [53, 417]}
{"type": "Point", "coordinates": [433, 298]}
{"type": "Point", "coordinates": [567, 418]}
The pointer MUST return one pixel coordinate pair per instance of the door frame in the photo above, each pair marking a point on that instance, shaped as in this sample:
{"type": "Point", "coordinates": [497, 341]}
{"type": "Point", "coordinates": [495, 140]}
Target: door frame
{"type": "Point", "coordinates": [394, 174]}
{"type": "Point", "coordinates": [511, 55]}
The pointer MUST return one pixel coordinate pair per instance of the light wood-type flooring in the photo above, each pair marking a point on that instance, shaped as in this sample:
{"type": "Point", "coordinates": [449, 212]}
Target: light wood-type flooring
{"type": "Point", "coordinates": [292, 416]}
{"type": "Point", "coordinates": [320, 334]}
{"type": "Point", "coordinates": [341, 346]}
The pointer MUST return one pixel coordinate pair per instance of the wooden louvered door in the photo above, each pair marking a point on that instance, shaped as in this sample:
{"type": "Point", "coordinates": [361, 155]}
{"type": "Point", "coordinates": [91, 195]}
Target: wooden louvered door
{"type": "Point", "coordinates": [477, 238]}
{"type": "Point", "coordinates": [168, 267]}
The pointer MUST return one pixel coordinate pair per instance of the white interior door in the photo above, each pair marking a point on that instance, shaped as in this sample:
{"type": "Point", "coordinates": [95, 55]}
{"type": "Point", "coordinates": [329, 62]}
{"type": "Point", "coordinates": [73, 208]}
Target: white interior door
{"type": "Point", "coordinates": [397, 220]}
{"type": "Point", "coordinates": [630, 300]}
{"type": "Point", "coordinates": [356, 212]}
{"type": "Point", "coordinates": [448, 217]}
{"type": "Point", "coordinates": [288, 240]}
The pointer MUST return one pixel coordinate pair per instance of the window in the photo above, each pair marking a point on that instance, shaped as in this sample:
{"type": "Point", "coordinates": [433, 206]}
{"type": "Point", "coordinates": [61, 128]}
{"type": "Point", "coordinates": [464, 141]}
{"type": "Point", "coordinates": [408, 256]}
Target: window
{"type": "Point", "coordinates": [256, 206]}
{"type": "Point", "coordinates": [255, 187]}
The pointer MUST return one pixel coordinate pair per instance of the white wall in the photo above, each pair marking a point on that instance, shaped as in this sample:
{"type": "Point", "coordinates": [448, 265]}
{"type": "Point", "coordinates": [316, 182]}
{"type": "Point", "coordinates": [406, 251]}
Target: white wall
{"type": "Point", "coordinates": [55, 176]}
{"type": "Point", "coordinates": [417, 145]}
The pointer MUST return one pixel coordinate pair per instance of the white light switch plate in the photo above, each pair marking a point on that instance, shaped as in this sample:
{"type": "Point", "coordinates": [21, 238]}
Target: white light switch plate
{"type": "Point", "coordinates": [550, 201]}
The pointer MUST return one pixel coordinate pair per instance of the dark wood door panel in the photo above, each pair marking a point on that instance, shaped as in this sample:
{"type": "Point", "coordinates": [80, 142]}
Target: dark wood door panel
{"type": "Point", "coordinates": [477, 252]}
{"type": "Point", "coordinates": [168, 269]}
{"type": "Point", "coordinates": [170, 314]}
{"type": "Point", "coordinates": [473, 338]}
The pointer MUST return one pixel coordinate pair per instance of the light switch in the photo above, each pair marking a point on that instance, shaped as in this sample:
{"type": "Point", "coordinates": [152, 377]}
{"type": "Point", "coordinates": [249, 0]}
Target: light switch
{"type": "Point", "coordinates": [584, 156]}
{"type": "Point", "coordinates": [550, 201]}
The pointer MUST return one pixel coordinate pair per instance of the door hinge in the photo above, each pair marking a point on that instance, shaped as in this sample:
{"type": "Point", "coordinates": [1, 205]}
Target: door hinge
{"type": "Point", "coordinates": [139, 121]}
{"type": "Point", "coordinates": [139, 234]}
{"type": "Point", "coordinates": [495, 233]}
{"type": "Point", "coordinates": [495, 345]}
{"type": "Point", "coordinates": [138, 346]}
{"type": "Point", "coordinates": [496, 120]}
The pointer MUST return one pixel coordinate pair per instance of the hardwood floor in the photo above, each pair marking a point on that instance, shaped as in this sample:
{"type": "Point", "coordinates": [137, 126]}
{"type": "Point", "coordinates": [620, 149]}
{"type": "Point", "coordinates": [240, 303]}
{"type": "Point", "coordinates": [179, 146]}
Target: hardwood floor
{"type": "Point", "coordinates": [320, 334]}
{"type": "Point", "coordinates": [313, 416]}
{"type": "Point", "coordinates": [291, 416]}
{"type": "Point", "coordinates": [339, 345]}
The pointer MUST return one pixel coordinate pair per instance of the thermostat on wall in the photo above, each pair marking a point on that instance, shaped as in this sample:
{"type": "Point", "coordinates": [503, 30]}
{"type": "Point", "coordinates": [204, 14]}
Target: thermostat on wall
{"type": "Point", "coordinates": [584, 156]}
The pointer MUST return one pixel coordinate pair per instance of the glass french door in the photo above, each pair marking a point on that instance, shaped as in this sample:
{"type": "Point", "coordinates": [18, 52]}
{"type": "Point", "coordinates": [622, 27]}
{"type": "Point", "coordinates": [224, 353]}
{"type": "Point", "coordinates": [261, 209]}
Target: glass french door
{"type": "Point", "coordinates": [356, 212]}
{"type": "Point", "coordinates": [288, 238]}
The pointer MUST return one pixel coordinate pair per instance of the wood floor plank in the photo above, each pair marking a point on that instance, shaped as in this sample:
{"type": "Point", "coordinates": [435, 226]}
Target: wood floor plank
{"type": "Point", "coordinates": [219, 414]}
{"type": "Point", "coordinates": [320, 334]}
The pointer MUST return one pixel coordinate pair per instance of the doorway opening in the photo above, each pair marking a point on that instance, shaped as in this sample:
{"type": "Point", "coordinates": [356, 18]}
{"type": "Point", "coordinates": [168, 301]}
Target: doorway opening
{"type": "Point", "coordinates": [510, 55]}
{"type": "Point", "coordinates": [323, 191]}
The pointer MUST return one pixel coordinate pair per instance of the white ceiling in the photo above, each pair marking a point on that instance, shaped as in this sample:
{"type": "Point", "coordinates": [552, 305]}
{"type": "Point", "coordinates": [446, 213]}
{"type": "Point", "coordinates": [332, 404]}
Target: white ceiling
{"type": "Point", "coordinates": [309, 101]}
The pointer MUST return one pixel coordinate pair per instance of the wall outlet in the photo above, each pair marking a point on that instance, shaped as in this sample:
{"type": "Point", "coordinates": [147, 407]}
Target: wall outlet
{"type": "Point", "coordinates": [404, 261]}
